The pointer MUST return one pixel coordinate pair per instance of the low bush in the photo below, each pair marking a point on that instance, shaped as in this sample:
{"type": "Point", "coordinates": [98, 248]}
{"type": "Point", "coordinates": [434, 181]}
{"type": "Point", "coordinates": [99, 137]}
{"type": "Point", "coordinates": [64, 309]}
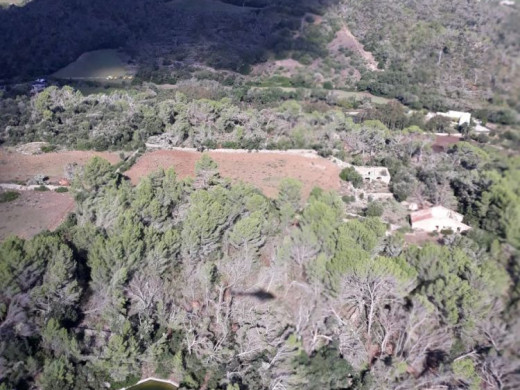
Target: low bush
{"type": "Point", "coordinates": [447, 232]}
{"type": "Point", "coordinates": [439, 124]}
{"type": "Point", "coordinates": [349, 174]}
{"type": "Point", "coordinates": [8, 196]}
{"type": "Point", "coordinates": [48, 148]}
{"type": "Point", "coordinates": [328, 85]}
{"type": "Point", "coordinates": [348, 198]}
{"type": "Point", "coordinates": [374, 209]}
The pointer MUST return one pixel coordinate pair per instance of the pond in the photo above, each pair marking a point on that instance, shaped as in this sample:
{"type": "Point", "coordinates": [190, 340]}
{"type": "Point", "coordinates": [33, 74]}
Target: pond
{"type": "Point", "coordinates": [153, 385]}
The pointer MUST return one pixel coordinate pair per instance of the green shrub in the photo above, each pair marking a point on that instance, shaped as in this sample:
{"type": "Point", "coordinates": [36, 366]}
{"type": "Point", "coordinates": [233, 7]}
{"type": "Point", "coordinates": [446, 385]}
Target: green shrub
{"type": "Point", "coordinates": [348, 198]}
{"type": "Point", "coordinates": [356, 160]}
{"type": "Point", "coordinates": [328, 85]}
{"type": "Point", "coordinates": [447, 232]}
{"type": "Point", "coordinates": [230, 145]}
{"type": "Point", "coordinates": [165, 365]}
{"type": "Point", "coordinates": [62, 189]}
{"type": "Point", "coordinates": [349, 174]}
{"type": "Point", "coordinates": [324, 153]}
{"type": "Point", "coordinates": [8, 196]}
{"type": "Point", "coordinates": [210, 144]}
{"type": "Point", "coordinates": [129, 381]}
{"type": "Point", "coordinates": [41, 188]}
{"type": "Point", "coordinates": [374, 209]}
{"type": "Point", "coordinates": [252, 143]}
{"type": "Point", "coordinates": [405, 229]}
{"type": "Point", "coordinates": [439, 124]}
{"type": "Point", "coordinates": [482, 138]}
{"type": "Point", "coordinates": [48, 148]}
{"type": "Point", "coordinates": [503, 116]}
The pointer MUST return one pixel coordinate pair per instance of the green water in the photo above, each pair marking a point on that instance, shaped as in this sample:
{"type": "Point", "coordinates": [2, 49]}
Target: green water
{"type": "Point", "coordinates": [153, 385]}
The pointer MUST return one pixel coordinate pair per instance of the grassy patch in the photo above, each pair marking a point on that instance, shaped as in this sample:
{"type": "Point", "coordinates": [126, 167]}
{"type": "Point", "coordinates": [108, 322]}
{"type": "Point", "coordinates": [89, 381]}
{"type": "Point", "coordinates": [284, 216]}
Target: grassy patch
{"type": "Point", "coordinates": [41, 188]}
{"type": "Point", "coordinates": [361, 96]}
{"type": "Point", "coordinates": [99, 64]}
{"type": "Point", "coordinates": [8, 196]}
{"type": "Point", "coordinates": [61, 189]}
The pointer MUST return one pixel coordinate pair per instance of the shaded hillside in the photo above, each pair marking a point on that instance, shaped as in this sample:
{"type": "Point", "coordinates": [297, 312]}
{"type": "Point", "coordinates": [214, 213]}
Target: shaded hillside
{"type": "Point", "coordinates": [47, 34]}
{"type": "Point", "coordinates": [462, 54]}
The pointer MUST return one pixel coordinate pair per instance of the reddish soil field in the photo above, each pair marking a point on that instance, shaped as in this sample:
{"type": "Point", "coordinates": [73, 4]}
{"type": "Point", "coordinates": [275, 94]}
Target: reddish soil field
{"type": "Point", "coordinates": [263, 170]}
{"type": "Point", "coordinates": [16, 167]}
{"type": "Point", "coordinates": [443, 142]}
{"type": "Point", "coordinates": [34, 212]}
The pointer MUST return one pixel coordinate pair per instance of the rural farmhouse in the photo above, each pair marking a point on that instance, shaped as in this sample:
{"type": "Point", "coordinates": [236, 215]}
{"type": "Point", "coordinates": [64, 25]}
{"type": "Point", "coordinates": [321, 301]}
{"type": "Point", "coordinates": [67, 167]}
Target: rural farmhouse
{"type": "Point", "coordinates": [438, 218]}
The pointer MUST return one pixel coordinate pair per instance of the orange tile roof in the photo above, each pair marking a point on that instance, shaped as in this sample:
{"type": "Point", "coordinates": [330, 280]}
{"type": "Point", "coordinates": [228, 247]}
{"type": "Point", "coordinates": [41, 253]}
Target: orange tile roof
{"type": "Point", "coordinates": [421, 215]}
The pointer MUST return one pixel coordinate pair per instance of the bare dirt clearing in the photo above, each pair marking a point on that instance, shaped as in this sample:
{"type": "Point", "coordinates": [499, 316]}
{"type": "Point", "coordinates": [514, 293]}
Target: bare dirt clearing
{"type": "Point", "coordinates": [444, 142]}
{"type": "Point", "coordinates": [345, 39]}
{"type": "Point", "coordinates": [34, 212]}
{"type": "Point", "coordinates": [263, 170]}
{"type": "Point", "coordinates": [18, 167]}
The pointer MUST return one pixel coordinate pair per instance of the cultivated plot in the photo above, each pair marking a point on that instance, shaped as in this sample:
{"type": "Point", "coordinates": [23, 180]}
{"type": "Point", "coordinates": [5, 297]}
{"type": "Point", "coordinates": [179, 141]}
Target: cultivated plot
{"type": "Point", "coordinates": [263, 170]}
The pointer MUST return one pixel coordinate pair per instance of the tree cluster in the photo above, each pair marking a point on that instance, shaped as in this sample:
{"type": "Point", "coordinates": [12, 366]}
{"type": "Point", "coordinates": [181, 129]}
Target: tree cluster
{"type": "Point", "coordinates": [219, 287]}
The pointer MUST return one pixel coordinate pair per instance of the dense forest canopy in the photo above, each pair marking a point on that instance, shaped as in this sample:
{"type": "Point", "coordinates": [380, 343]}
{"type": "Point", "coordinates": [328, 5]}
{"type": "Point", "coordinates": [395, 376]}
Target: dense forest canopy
{"type": "Point", "coordinates": [223, 288]}
{"type": "Point", "coordinates": [211, 284]}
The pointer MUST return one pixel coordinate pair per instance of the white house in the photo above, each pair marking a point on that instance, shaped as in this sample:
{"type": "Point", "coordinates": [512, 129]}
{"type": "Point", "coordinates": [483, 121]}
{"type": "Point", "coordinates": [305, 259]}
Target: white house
{"type": "Point", "coordinates": [370, 174]}
{"type": "Point", "coordinates": [460, 117]}
{"type": "Point", "coordinates": [438, 218]}
{"type": "Point", "coordinates": [457, 116]}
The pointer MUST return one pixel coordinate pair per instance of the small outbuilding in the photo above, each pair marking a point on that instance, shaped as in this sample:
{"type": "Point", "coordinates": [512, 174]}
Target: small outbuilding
{"type": "Point", "coordinates": [374, 174]}
{"type": "Point", "coordinates": [461, 118]}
